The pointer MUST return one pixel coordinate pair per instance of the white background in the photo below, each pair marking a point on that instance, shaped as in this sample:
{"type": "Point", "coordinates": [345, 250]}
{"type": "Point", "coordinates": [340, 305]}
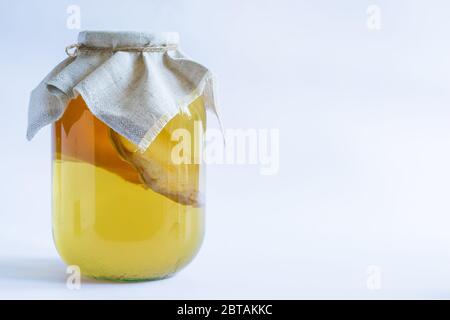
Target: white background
{"type": "Point", "coordinates": [364, 121]}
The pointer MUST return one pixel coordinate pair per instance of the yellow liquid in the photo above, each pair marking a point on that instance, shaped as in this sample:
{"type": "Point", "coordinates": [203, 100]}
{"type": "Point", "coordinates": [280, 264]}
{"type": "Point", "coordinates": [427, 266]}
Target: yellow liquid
{"type": "Point", "coordinates": [104, 219]}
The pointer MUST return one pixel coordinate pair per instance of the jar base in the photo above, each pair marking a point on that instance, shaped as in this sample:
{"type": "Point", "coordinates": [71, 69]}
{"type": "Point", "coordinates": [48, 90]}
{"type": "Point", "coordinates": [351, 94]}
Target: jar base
{"type": "Point", "coordinates": [130, 280]}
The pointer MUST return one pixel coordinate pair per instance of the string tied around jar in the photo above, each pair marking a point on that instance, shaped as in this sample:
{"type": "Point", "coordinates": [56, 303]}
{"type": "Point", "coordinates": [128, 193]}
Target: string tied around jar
{"type": "Point", "coordinates": [73, 49]}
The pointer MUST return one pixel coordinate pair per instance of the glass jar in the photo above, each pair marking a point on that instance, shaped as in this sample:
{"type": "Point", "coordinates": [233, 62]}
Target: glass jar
{"type": "Point", "coordinates": [120, 214]}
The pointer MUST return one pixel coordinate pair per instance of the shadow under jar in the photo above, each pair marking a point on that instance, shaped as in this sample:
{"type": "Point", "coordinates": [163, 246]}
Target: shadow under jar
{"type": "Point", "coordinates": [120, 214]}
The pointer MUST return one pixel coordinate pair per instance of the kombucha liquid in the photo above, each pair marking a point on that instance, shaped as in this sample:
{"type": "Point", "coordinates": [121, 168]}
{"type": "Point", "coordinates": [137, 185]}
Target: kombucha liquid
{"type": "Point", "coordinates": [105, 219]}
